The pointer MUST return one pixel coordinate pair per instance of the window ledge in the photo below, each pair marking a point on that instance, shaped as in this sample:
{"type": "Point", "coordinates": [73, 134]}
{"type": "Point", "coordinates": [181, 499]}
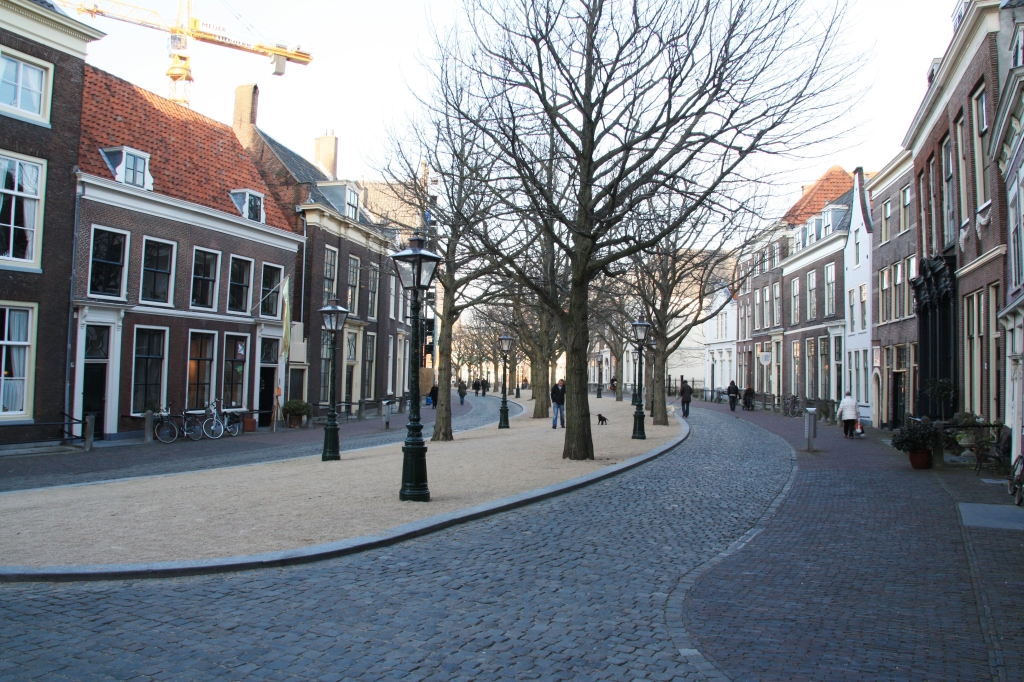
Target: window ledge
{"type": "Point", "coordinates": [201, 308]}
{"type": "Point", "coordinates": [154, 304]}
{"type": "Point", "coordinates": [24, 118]}
{"type": "Point", "coordinates": [100, 297]}
{"type": "Point", "coordinates": [17, 420]}
{"type": "Point", "coordinates": [16, 267]}
{"type": "Point", "coordinates": [983, 206]}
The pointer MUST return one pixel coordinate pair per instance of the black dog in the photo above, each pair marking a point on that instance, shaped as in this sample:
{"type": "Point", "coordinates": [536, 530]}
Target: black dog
{"type": "Point", "coordinates": [602, 420]}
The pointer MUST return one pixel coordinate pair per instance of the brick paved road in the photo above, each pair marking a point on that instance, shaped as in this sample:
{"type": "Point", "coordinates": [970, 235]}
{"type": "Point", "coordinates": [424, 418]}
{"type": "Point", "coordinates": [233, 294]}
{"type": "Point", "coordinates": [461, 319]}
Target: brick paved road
{"type": "Point", "coordinates": [865, 573]}
{"type": "Point", "coordinates": [35, 471]}
{"type": "Point", "coordinates": [572, 588]}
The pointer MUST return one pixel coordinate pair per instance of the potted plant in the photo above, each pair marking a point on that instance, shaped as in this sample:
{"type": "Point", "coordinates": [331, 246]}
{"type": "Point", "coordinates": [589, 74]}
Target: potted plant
{"type": "Point", "coordinates": [940, 391]}
{"type": "Point", "coordinates": [295, 410]}
{"type": "Point", "coordinates": [916, 439]}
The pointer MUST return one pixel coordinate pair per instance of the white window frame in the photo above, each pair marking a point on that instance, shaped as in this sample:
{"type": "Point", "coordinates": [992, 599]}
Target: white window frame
{"type": "Point", "coordinates": [856, 248]}
{"type": "Point", "coordinates": [163, 376]}
{"type": "Point", "coordinates": [393, 305]}
{"type": "Point", "coordinates": [173, 275]}
{"type": "Point", "coordinates": [245, 371]}
{"type": "Point", "coordinates": [777, 303]}
{"type": "Point", "coordinates": [886, 221]}
{"type": "Point", "coordinates": [244, 209]}
{"type": "Point", "coordinates": [280, 286]}
{"type": "Point", "coordinates": [248, 301]}
{"type": "Point", "coordinates": [391, 364]}
{"type": "Point", "coordinates": [766, 310]}
{"type": "Point", "coordinates": [34, 263]}
{"type": "Point", "coordinates": [372, 305]}
{"type": "Point", "coordinates": [213, 366]}
{"type": "Point", "coordinates": [43, 117]}
{"type": "Point", "coordinates": [370, 390]}
{"type": "Point", "coordinates": [405, 359]}
{"type": "Point", "coordinates": [353, 305]}
{"type": "Point", "coordinates": [979, 100]}
{"type": "Point", "coordinates": [830, 289]}
{"type": "Point", "coordinates": [124, 266]}
{"type": "Point", "coordinates": [30, 363]}
{"type": "Point", "coordinates": [794, 295]}
{"type": "Point", "coordinates": [351, 210]}
{"type": "Point", "coordinates": [117, 169]}
{"type": "Point", "coordinates": [757, 308]}
{"type": "Point", "coordinates": [865, 321]}
{"type": "Point", "coordinates": [811, 296]}
{"type": "Point", "coordinates": [216, 280]}
{"type": "Point", "coordinates": [337, 262]}
{"type": "Point", "coordinates": [905, 209]}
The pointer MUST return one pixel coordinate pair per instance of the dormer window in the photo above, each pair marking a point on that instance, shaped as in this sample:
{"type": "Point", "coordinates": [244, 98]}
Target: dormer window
{"type": "Point", "coordinates": [352, 205]}
{"type": "Point", "coordinates": [129, 166]}
{"type": "Point", "coordinates": [250, 204]}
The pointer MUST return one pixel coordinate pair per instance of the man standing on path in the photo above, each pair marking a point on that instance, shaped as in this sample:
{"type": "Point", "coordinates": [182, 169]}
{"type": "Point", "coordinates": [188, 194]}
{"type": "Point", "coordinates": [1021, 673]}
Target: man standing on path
{"type": "Point", "coordinates": [686, 395]}
{"type": "Point", "coordinates": [476, 387]}
{"type": "Point", "coordinates": [848, 413]}
{"type": "Point", "coordinates": [484, 385]}
{"type": "Point", "coordinates": [558, 403]}
{"type": "Point", "coordinates": [462, 392]}
{"type": "Point", "coordinates": [734, 394]}
{"type": "Point", "coordinates": [433, 396]}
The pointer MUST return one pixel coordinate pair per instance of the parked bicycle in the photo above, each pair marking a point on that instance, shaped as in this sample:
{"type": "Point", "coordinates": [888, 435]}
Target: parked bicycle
{"type": "Point", "coordinates": [792, 407]}
{"type": "Point", "coordinates": [218, 422]}
{"type": "Point", "coordinates": [166, 429]}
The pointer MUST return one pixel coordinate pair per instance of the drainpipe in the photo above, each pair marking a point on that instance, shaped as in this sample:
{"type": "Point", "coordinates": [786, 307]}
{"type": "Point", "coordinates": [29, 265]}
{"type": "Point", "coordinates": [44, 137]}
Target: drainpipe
{"type": "Point", "coordinates": [71, 300]}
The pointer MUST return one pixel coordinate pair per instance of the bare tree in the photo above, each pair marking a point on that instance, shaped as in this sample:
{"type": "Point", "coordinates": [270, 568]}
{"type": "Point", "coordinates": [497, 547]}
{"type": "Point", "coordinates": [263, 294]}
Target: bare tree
{"type": "Point", "coordinates": [594, 107]}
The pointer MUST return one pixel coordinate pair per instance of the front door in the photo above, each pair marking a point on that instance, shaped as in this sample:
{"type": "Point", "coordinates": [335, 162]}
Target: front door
{"type": "Point", "coordinates": [350, 372]}
{"type": "Point", "coordinates": [94, 394]}
{"type": "Point", "coordinates": [267, 375]}
{"type": "Point", "coordinates": [899, 400]}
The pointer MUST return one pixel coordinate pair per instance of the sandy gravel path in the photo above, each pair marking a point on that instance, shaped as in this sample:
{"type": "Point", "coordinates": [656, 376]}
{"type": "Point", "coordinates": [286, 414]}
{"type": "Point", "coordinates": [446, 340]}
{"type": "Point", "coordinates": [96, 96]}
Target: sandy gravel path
{"type": "Point", "coordinates": [282, 505]}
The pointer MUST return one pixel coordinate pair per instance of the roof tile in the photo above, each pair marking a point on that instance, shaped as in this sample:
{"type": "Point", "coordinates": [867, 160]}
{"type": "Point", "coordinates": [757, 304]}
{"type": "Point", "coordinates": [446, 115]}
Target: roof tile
{"type": "Point", "coordinates": [833, 184]}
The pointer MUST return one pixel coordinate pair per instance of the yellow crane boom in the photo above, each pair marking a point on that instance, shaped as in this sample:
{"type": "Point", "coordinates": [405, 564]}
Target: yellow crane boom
{"type": "Point", "coordinates": [186, 26]}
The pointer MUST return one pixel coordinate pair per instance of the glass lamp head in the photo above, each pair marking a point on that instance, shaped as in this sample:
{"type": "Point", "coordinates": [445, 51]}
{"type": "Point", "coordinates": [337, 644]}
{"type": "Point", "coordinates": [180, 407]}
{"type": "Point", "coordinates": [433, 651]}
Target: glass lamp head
{"type": "Point", "coordinates": [505, 343]}
{"type": "Point", "coordinates": [416, 266]}
{"type": "Point", "coordinates": [640, 330]}
{"type": "Point", "coordinates": [334, 315]}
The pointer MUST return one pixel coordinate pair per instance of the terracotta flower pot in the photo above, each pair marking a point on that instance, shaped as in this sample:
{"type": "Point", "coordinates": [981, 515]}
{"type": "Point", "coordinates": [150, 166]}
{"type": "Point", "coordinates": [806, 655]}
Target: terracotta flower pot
{"type": "Point", "coordinates": [921, 459]}
{"type": "Point", "coordinates": [248, 424]}
{"type": "Point", "coordinates": [294, 421]}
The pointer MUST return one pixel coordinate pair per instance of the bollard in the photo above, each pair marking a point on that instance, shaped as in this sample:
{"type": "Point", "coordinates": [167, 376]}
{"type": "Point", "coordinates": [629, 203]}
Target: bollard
{"type": "Point", "coordinates": [401, 405]}
{"type": "Point", "coordinates": [385, 414]}
{"type": "Point", "coordinates": [361, 410]}
{"type": "Point", "coordinates": [147, 437]}
{"type": "Point", "coordinates": [88, 432]}
{"type": "Point", "coordinates": [810, 427]}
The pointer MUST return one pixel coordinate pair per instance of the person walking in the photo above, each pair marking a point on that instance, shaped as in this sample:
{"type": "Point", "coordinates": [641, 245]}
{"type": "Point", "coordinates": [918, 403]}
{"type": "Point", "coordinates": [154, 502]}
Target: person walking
{"type": "Point", "coordinates": [558, 403]}
{"type": "Point", "coordinates": [748, 398]}
{"type": "Point", "coordinates": [848, 413]}
{"type": "Point", "coordinates": [484, 385]}
{"type": "Point", "coordinates": [476, 387]}
{"type": "Point", "coordinates": [433, 396]}
{"type": "Point", "coordinates": [685, 396]}
{"type": "Point", "coordinates": [734, 395]}
{"type": "Point", "coordinates": [462, 392]}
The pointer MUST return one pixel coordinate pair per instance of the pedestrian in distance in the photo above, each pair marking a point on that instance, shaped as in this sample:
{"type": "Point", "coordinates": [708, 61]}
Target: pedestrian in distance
{"type": "Point", "coordinates": [848, 413]}
{"type": "Point", "coordinates": [685, 396]}
{"type": "Point", "coordinates": [462, 392]}
{"type": "Point", "coordinates": [748, 398]}
{"type": "Point", "coordinates": [558, 403]}
{"type": "Point", "coordinates": [433, 396]}
{"type": "Point", "coordinates": [484, 385]}
{"type": "Point", "coordinates": [612, 385]}
{"type": "Point", "coordinates": [734, 395]}
{"type": "Point", "coordinates": [476, 387]}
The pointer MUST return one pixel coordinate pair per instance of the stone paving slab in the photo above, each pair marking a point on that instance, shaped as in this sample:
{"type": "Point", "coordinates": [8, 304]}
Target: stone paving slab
{"type": "Point", "coordinates": [992, 516]}
{"type": "Point", "coordinates": [571, 588]}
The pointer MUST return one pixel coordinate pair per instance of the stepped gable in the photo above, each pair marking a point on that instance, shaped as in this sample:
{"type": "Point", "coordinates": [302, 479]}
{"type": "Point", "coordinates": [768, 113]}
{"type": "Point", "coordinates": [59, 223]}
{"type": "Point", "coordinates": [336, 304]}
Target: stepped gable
{"type": "Point", "coordinates": [192, 157]}
{"type": "Point", "coordinates": [828, 188]}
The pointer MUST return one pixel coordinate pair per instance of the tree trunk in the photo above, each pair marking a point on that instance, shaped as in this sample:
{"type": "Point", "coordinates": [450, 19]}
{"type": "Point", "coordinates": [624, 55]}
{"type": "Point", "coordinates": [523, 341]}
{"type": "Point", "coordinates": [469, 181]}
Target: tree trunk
{"type": "Point", "coordinates": [443, 421]}
{"type": "Point", "coordinates": [648, 381]}
{"type": "Point", "coordinates": [659, 414]}
{"type": "Point", "coordinates": [579, 442]}
{"type": "Point", "coordinates": [618, 377]}
{"type": "Point", "coordinates": [541, 390]}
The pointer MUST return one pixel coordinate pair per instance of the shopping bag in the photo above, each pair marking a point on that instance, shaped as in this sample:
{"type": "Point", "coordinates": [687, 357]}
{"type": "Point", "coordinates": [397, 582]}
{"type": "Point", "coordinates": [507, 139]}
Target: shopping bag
{"type": "Point", "coordinates": [430, 402]}
{"type": "Point", "coordinates": [858, 429]}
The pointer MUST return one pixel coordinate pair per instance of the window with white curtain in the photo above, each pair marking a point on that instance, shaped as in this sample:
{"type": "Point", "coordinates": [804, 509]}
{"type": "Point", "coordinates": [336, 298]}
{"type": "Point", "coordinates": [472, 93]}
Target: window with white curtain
{"type": "Point", "coordinates": [14, 351]}
{"type": "Point", "coordinates": [20, 193]}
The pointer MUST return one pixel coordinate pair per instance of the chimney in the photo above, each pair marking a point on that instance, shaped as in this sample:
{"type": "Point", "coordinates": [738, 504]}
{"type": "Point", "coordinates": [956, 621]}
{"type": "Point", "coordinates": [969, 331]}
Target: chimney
{"type": "Point", "coordinates": [246, 101]}
{"type": "Point", "coordinates": [326, 155]}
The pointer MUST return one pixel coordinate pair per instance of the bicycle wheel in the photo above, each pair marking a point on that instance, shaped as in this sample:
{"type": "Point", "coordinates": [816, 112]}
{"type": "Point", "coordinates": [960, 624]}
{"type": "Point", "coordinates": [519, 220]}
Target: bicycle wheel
{"type": "Point", "coordinates": [213, 428]}
{"type": "Point", "coordinates": [1019, 497]}
{"type": "Point", "coordinates": [193, 427]}
{"type": "Point", "coordinates": [1015, 476]}
{"type": "Point", "coordinates": [166, 431]}
{"type": "Point", "coordinates": [234, 425]}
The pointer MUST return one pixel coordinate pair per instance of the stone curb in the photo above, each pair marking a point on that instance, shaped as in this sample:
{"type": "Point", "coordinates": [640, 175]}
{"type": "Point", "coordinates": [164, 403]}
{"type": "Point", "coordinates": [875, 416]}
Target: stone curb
{"type": "Point", "coordinates": [331, 550]}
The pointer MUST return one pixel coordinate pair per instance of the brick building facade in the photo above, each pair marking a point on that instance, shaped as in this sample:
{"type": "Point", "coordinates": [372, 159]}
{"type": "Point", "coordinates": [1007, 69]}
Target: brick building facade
{"type": "Point", "coordinates": [39, 129]}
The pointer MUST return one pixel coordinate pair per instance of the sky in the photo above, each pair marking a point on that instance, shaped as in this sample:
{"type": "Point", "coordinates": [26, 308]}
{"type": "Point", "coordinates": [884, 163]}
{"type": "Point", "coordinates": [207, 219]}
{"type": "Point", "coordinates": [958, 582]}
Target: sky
{"type": "Point", "coordinates": [368, 58]}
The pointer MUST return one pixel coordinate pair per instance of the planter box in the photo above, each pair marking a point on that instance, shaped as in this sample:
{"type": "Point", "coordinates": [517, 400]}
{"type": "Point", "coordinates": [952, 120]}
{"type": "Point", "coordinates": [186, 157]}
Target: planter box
{"type": "Point", "coordinates": [248, 424]}
{"type": "Point", "coordinates": [920, 459]}
{"type": "Point", "coordinates": [294, 421]}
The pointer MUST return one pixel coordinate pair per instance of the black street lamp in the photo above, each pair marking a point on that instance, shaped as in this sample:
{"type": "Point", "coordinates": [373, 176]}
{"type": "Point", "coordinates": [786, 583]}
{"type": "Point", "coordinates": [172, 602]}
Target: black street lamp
{"type": "Point", "coordinates": [636, 356]}
{"type": "Point", "coordinates": [600, 374]}
{"type": "Point", "coordinates": [505, 344]}
{"type": "Point", "coordinates": [640, 331]}
{"type": "Point", "coordinates": [519, 380]}
{"type": "Point", "coordinates": [334, 320]}
{"type": "Point", "coordinates": [416, 269]}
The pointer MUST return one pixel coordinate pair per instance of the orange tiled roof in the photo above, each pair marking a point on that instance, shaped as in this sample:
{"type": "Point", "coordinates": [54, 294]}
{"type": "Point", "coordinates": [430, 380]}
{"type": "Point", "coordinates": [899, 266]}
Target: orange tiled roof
{"type": "Point", "coordinates": [192, 157]}
{"type": "Point", "coordinates": [833, 184]}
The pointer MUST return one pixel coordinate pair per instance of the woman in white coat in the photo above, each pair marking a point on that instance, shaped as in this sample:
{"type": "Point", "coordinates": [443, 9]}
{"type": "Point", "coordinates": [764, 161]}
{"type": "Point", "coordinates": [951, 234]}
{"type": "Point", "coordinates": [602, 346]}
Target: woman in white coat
{"type": "Point", "coordinates": [848, 413]}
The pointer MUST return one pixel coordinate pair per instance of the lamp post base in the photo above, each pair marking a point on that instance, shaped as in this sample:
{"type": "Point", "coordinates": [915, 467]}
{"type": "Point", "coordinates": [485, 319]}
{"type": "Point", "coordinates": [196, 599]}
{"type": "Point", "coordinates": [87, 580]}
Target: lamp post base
{"type": "Point", "coordinates": [599, 389]}
{"type": "Point", "coordinates": [331, 447]}
{"type": "Point", "coordinates": [503, 415]}
{"type": "Point", "coordinates": [414, 474]}
{"type": "Point", "coordinates": [638, 425]}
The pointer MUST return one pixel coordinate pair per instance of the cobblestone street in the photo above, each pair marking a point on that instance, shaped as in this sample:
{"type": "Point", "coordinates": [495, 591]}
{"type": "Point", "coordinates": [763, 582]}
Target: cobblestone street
{"type": "Point", "coordinates": [718, 560]}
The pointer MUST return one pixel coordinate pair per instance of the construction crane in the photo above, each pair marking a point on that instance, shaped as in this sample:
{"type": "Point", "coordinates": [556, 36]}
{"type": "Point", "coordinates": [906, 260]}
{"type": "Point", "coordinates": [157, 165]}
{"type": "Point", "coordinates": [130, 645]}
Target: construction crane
{"type": "Point", "coordinates": [186, 26]}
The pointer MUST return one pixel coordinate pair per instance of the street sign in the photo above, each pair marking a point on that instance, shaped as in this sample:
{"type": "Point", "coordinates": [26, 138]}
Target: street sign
{"type": "Point", "coordinates": [766, 358]}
